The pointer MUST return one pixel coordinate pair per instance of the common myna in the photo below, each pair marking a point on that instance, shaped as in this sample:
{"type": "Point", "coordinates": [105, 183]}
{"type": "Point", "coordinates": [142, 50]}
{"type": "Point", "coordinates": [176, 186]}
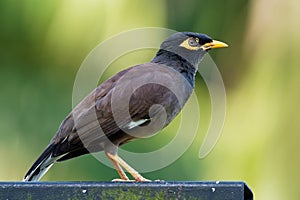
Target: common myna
{"type": "Point", "coordinates": [136, 102]}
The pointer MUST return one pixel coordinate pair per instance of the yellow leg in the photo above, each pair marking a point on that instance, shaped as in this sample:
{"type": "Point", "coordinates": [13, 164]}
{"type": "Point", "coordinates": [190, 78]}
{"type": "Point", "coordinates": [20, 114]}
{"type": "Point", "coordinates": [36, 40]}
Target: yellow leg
{"type": "Point", "coordinates": [117, 161]}
{"type": "Point", "coordinates": [118, 168]}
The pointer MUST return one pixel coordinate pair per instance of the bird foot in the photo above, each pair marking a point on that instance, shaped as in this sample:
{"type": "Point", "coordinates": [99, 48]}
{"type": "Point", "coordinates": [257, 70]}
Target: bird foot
{"type": "Point", "coordinates": [142, 179]}
{"type": "Point", "coordinates": [138, 179]}
{"type": "Point", "coordinates": [122, 180]}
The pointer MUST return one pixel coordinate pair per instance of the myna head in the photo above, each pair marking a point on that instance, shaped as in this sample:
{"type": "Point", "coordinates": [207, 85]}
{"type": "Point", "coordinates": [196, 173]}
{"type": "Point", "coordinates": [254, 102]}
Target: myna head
{"type": "Point", "coordinates": [191, 46]}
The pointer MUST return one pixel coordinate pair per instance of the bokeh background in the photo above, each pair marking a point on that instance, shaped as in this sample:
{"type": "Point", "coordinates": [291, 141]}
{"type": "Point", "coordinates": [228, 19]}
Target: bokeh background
{"type": "Point", "coordinates": [43, 43]}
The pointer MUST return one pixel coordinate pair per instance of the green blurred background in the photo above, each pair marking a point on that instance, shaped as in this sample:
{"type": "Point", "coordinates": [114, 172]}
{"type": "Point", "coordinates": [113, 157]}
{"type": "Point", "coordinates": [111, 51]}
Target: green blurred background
{"type": "Point", "coordinates": [43, 43]}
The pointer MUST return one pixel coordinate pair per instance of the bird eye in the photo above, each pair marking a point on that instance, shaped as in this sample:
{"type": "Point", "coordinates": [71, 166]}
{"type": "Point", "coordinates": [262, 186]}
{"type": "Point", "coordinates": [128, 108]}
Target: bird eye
{"type": "Point", "coordinates": [193, 42]}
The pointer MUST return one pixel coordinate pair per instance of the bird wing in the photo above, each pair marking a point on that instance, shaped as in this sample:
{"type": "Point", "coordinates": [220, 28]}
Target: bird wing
{"type": "Point", "coordinates": [82, 118]}
{"type": "Point", "coordinates": [115, 106]}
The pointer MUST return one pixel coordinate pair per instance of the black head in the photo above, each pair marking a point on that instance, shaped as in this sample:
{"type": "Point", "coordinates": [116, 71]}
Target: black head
{"type": "Point", "coordinates": [190, 46]}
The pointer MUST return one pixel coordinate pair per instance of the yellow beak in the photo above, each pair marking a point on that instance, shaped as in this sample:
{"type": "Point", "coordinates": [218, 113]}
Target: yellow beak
{"type": "Point", "coordinates": [213, 45]}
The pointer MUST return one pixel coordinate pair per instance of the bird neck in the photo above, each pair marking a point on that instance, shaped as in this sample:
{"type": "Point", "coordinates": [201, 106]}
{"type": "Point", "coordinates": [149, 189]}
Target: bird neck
{"type": "Point", "coordinates": [176, 62]}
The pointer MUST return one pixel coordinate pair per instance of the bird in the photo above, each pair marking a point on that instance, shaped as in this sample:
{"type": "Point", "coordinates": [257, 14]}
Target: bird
{"type": "Point", "coordinates": [133, 104]}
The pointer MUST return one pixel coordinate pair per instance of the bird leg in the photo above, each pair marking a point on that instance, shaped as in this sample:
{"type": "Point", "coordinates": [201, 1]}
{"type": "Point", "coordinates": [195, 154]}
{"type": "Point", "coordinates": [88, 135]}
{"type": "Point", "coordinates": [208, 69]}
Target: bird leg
{"type": "Point", "coordinates": [118, 168]}
{"type": "Point", "coordinates": [117, 161]}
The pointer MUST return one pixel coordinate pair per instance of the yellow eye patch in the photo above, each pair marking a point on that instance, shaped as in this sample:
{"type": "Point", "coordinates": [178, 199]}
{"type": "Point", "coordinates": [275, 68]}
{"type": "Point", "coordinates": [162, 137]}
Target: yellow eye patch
{"type": "Point", "coordinates": [191, 44]}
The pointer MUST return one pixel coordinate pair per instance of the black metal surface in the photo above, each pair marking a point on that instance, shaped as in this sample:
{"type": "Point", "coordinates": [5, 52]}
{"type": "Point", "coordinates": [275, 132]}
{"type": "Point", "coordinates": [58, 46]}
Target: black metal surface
{"type": "Point", "coordinates": [120, 190]}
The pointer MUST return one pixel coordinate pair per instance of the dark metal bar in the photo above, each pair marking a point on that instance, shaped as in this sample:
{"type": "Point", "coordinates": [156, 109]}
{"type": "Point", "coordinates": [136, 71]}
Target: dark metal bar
{"type": "Point", "coordinates": [122, 190]}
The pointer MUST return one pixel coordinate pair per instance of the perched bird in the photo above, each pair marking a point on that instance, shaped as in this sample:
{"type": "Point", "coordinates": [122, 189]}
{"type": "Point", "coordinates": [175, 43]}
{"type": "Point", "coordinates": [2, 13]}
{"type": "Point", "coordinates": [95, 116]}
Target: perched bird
{"type": "Point", "coordinates": [136, 102]}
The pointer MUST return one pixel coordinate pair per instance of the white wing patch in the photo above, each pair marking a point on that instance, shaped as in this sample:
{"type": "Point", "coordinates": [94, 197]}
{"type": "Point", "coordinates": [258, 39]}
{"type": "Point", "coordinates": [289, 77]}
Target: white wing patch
{"type": "Point", "coordinates": [133, 124]}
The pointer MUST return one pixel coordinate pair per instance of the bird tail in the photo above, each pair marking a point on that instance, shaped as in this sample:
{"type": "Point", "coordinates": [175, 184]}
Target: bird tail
{"type": "Point", "coordinates": [41, 165]}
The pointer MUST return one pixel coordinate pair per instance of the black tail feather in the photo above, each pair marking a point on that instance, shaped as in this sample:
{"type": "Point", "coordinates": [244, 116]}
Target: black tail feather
{"type": "Point", "coordinates": [73, 154]}
{"type": "Point", "coordinates": [43, 163]}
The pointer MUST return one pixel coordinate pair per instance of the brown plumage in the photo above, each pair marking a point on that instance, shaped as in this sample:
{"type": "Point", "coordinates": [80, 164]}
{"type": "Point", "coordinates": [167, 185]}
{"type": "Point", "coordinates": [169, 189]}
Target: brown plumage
{"type": "Point", "coordinates": [135, 103]}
